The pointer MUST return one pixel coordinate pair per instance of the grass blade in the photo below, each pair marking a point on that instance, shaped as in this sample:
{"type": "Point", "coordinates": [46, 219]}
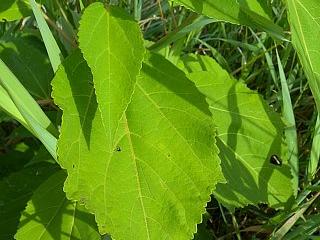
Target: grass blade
{"type": "Point", "coordinates": [292, 220]}
{"type": "Point", "coordinates": [315, 152]}
{"type": "Point", "coordinates": [30, 114]}
{"type": "Point", "coordinates": [52, 47]}
{"type": "Point", "coordinates": [290, 131]}
{"type": "Point", "coordinates": [10, 108]}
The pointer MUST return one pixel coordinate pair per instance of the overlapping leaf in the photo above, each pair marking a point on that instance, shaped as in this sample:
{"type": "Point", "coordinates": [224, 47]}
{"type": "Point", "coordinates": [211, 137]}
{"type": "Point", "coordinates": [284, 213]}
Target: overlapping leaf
{"type": "Point", "coordinates": [49, 215]}
{"type": "Point", "coordinates": [252, 13]}
{"type": "Point", "coordinates": [14, 9]}
{"type": "Point", "coordinates": [249, 135]}
{"type": "Point", "coordinates": [156, 177]}
{"type": "Point", "coordinates": [111, 43]}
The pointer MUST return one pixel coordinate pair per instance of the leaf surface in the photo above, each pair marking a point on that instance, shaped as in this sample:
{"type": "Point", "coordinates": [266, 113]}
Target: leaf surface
{"type": "Point", "coordinates": [49, 41]}
{"type": "Point", "coordinates": [16, 190]}
{"type": "Point", "coordinates": [249, 135]}
{"type": "Point", "coordinates": [252, 13]}
{"type": "Point", "coordinates": [111, 43]}
{"type": "Point", "coordinates": [304, 18]}
{"type": "Point", "coordinates": [11, 10]}
{"type": "Point", "coordinates": [155, 179]}
{"type": "Point", "coordinates": [29, 65]}
{"type": "Point", "coordinates": [50, 215]}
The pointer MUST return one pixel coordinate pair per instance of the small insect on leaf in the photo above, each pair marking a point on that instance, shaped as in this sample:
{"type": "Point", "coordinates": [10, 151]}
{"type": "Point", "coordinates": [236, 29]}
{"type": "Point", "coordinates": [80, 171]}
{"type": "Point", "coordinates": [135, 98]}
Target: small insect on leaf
{"type": "Point", "coordinates": [274, 159]}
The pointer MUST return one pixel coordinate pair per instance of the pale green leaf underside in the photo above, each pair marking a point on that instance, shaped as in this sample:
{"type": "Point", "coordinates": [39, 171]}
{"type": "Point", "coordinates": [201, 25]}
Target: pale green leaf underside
{"type": "Point", "coordinates": [163, 166]}
{"type": "Point", "coordinates": [249, 133]}
{"type": "Point", "coordinates": [11, 10]}
{"type": "Point", "coordinates": [49, 215]}
{"type": "Point", "coordinates": [252, 13]}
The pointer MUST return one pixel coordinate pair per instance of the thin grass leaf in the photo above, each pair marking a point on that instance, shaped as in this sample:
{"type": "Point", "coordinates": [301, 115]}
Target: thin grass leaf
{"type": "Point", "coordinates": [191, 24]}
{"type": "Point", "coordinates": [10, 108]}
{"type": "Point", "coordinates": [315, 152]}
{"type": "Point", "coordinates": [290, 130]}
{"type": "Point", "coordinates": [305, 229]}
{"type": "Point", "coordinates": [52, 47]}
{"type": "Point", "coordinates": [36, 120]}
{"type": "Point", "coordinates": [292, 220]}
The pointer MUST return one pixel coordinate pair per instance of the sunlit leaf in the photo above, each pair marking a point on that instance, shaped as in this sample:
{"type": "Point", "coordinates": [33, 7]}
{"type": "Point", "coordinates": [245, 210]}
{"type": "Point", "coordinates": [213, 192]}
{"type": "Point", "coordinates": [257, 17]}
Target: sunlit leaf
{"type": "Point", "coordinates": [161, 166]}
{"type": "Point", "coordinates": [304, 18]}
{"type": "Point", "coordinates": [250, 138]}
{"type": "Point", "coordinates": [252, 13]}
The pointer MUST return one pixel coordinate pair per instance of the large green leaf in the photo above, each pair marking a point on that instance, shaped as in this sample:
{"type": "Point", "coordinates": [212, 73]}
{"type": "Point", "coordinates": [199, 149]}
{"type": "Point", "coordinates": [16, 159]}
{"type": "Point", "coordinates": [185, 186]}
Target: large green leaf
{"type": "Point", "coordinates": [111, 43]}
{"type": "Point", "coordinates": [305, 27]}
{"type": "Point", "coordinates": [29, 65]}
{"type": "Point", "coordinates": [252, 13]}
{"type": "Point", "coordinates": [50, 215]}
{"type": "Point", "coordinates": [249, 135]}
{"type": "Point", "coordinates": [154, 179]}
{"type": "Point", "coordinates": [16, 190]}
{"type": "Point", "coordinates": [14, 9]}
{"type": "Point", "coordinates": [304, 19]}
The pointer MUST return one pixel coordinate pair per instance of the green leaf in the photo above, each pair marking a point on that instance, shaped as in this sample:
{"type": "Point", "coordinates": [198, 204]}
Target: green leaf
{"type": "Point", "coordinates": [14, 159]}
{"type": "Point", "coordinates": [111, 43]}
{"type": "Point", "coordinates": [29, 65]}
{"type": "Point", "coordinates": [11, 10]}
{"type": "Point", "coordinates": [315, 151]}
{"type": "Point", "coordinates": [21, 97]}
{"type": "Point", "coordinates": [52, 47]}
{"type": "Point", "coordinates": [252, 13]}
{"type": "Point", "coordinates": [154, 179]}
{"type": "Point", "coordinates": [7, 105]}
{"type": "Point", "coordinates": [249, 134]}
{"type": "Point", "coordinates": [305, 228]}
{"type": "Point", "coordinates": [16, 190]}
{"type": "Point", "coordinates": [34, 118]}
{"type": "Point", "coordinates": [304, 19]}
{"type": "Point", "coordinates": [290, 130]}
{"type": "Point", "coordinates": [50, 215]}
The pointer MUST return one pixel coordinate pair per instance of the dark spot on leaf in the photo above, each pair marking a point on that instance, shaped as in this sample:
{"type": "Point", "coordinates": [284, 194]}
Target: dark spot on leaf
{"type": "Point", "coordinates": [118, 149]}
{"type": "Point", "coordinates": [274, 159]}
{"type": "Point", "coordinates": [73, 166]}
{"type": "Point", "coordinates": [169, 155]}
